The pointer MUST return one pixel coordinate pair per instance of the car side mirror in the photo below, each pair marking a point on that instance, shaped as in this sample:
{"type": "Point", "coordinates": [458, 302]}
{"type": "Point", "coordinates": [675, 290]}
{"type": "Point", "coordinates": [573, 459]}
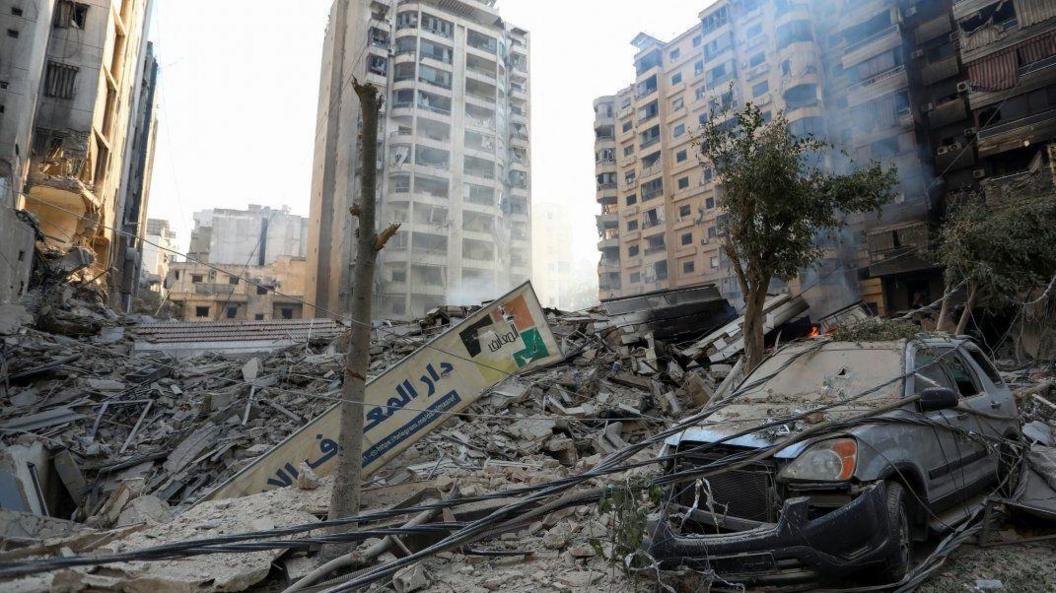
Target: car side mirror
{"type": "Point", "coordinates": [937, 398]}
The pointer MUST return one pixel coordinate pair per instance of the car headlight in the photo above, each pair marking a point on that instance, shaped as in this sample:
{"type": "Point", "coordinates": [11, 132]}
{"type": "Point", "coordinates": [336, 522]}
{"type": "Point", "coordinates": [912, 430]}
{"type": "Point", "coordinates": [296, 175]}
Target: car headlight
{"type": "Point", "coordinates": [827, 461]}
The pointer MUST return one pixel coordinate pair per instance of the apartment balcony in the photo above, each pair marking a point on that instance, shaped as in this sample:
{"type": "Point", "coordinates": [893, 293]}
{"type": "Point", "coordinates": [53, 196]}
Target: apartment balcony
{"type": "Point", "coordinates": [795, 11]}
{"type": "Point", "coordinates": [872, 45]}
{"type": "Point", "coordinates": [647, 172]}
{"type": "Point", "coordinates": [607, 220]}
{"type": "Point", "coordinates": [878, 85]}
{"type": "Point", "coordinates": [629, 236]}
{"type": "Point", "coordinates": [964, 8]}
{"type": "Point", "coordinates": [649, 142]}
{"type": "Point", "coordinates": [609, 265]}
{"type": "Point", "coordinates": [610, 243]}
{"type": "Point", "coordinates": [947, 113]}
{"type": "Point", "coordinates": [862, 11]}
{"type": "Point", "coordinates": [519, 118]}
{"type": "Point", "coordinates": [941, 70]}
{"type": "Point", "coordinates": [605, 166]}
{"type": "Point", "coordinates": [632, 262]}
{"type": "Point", "coordinates": [1005, 136]}
{"type": "Point", "coordinates": [1032, 76]}
{"type": "Point", "coordinates": [518, 93]}
{"type": "Point", "coordinates": [608, 186]}
{"type": "Point", "coordinates": [929, 30]}
{"type": "Point", "coordinates": [652, 254]}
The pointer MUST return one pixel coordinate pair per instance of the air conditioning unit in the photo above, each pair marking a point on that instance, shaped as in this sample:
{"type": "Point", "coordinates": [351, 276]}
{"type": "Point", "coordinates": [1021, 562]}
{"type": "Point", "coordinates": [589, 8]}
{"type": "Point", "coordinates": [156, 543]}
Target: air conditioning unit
{"type": "Point", "coordinates": [392, 51]}
{"type": "Point", "coordinates": [942, 150]}
{"type": "Point", "coordinates": [978, 173]}
{"type": "Point", "coordinates": [917, 54]}
{"type": "Point", "coordinates": [964, 86]}
{"type": "Point", "coordinates": [927, 107]}
{"type": "Point", "coordinates": [955, 147]}
{"type": "Point", "coordinates": [970, 132]}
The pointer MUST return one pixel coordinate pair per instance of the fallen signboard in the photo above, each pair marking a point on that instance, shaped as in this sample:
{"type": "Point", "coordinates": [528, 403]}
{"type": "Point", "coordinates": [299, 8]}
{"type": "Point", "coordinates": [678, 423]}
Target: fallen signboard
{"type": "Point", "coordinates": [416, 395]}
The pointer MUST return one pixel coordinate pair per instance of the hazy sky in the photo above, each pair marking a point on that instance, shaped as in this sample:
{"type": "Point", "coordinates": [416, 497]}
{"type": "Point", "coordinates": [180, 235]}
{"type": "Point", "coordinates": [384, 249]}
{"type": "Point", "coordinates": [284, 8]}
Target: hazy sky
{"type": "Point", "coordinates": [240, 79]}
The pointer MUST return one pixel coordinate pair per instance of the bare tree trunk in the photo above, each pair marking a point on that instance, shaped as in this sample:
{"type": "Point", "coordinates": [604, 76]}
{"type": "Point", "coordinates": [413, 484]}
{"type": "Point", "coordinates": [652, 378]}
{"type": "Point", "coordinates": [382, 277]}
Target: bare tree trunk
{"type": "Point", "coordinates": [962, 325]}
{"type": "Point", "coordinates": [344, 500]}
{"type": "Point", "coordinates": [753, 330]}
{"type": "Point", "coordinates": [944, 310]}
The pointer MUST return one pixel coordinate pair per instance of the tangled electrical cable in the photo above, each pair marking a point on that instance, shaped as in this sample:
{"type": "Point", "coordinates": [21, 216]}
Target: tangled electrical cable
{"type": "Point", "coordinates": [510, 516]}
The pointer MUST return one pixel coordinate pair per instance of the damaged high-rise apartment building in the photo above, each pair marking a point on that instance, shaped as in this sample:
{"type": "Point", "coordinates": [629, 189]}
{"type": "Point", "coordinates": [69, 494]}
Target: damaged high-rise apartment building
{"type": "Point", "coordinates": [242, 264]}
{"type": "Point", "coordinates": [78, 97]}
{"type": "Point", "coordinates": [950, 92]}
{"type": "Point", "coordinates": [453, 154]}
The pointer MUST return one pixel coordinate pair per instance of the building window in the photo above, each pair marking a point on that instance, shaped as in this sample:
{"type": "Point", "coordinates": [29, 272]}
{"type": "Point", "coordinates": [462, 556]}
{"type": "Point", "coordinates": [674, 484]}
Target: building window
{"type": "Point", "coordinates": [632, 251]}
{"type": "Point", "coordinates": [71, 15]}
{"type": "Point", "coordinates": [675, 53]}
{"type": "Point", "coordinates": [636, 277]}
{"type": "Point", "coordinates": [680, 156]}
{"type": "Point", "coordinates": [677, 78]}
{"type": "Point", "coordinates": [709, 203]}
{"type": "Point", "coordinates": [17, 11]}
{"type": "Point", "coordinates": [197, 278]}
{"type": "Point", "coordinates": [684, 210]}
{"type": "Point", "coordinates": [287, 313]}
{"type": "Point", "coordinates": [660, 269]}
{"type": "Point", "coordinates": [627, 125]}
{"type": "Point", "coordinates": [696, 41]}
{"type": "Point", "coordinates": [679, 130]}
{"type": "Point", "coordinates": [683, 183]}
{"type": "Point", "coordinates": [59, 80]}
{"type": "Point", "coordinates": [632, 225]}
{"type": "Point", "coordinates": [201, 312]}
{"type": "Point", "coordinates": [262, 290]}
{"type": "Point", "coordinates": [628, 150]}
{"type": "Point", "coordinates": [714, 262]}
{"type": "Point", "coordinates": [687, 267]}
{"type": "Point", "coordinates": [760, 88]}
{"type": "Point", "coordinates": [12, 33]}
{"type": "Point", "coordinates": [258, 317]}
{"type": "Point", "coordinates": [232, 312]}
{"type": "Point", "coordinates": [698, 67]}
{"type": "Point", "coordinates": [632, 199]}
{"type": "Point", "coordinates": [677, 104]}
{"type": "Point", "coordinates": [399, 275]}
{"type": "Point", "coordinates": [786, 68]}
{"type": "Point", "coordinates": [687, 239]}
{"type": "Point", "coordinates": [232, 280]}
{"type": "Point", "coordinates": [712, 232]}
{"type": "Point", "coordinates": [176, 274]}
{"type": "Point", "coordinates": [756, 59]}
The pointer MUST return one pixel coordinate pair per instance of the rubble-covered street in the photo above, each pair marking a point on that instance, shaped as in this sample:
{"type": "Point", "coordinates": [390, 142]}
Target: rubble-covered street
{"type": "Point", "coordinates": [122, 443]}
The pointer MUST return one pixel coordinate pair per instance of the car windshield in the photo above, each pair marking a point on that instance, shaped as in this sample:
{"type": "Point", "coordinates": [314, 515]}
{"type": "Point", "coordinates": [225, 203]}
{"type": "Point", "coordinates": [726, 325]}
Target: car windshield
{"type": "Point", "coordinates": [828, 371]}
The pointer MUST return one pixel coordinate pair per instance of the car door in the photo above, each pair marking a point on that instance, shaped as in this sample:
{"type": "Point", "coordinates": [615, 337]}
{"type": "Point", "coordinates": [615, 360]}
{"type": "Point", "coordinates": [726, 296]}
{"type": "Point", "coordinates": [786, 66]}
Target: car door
{"type": "Point", "coordinates": [979, 459]}
{"type": "Point", "coordinates": [941, 452]}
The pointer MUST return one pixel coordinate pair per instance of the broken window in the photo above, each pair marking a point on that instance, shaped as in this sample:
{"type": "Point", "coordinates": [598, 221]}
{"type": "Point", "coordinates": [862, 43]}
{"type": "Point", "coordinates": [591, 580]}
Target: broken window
{"type": "Point", "coordinates": [716, 19]}
{"type": "Point", "coordinates": [287, 313]}
{"type": "Point", "coordinates": [407, 20]}
{"type": "Point", "coordinates": [437, 26]}
{"type": "Point", "coordinates": [684, 210]}
{"type": "Point", "coordinates": [478, 167]}
{"type": "Point", "coordinates": [660, 270]}
{"type": "Point", "coordinates": [436, 51]}
{"type": "Point", "coordinates": [432, 186]}
{"type": "Point", "coordinates": [59, 80]}
{"type": "Point", "coordinates": [406, 45]}
{"type": "Point", "coordinates": [262, 290]}
{"type": "Point", "coordinates": [632, 251]}
{"type": "Point", "coordinates": [652, 189]}
{"type": "Point", "coordinates": [431, 157]}
{"type": "Point", "coordinates": [197, 278]}
{"type": "Point", "coordinates": [478, 194]}
{"type": "Point", "coordinates": [71, 15]}
{"type": "Point", "coordinates": [232, 312]}
{"type": "Point", "coordinates": [377, 64]}
{"type": "Point", "coordinates": [481, 41]}
{"type": "Point", "coordinates": [401, 184]}
{"type": "Point", "coordinates": [232, 280]}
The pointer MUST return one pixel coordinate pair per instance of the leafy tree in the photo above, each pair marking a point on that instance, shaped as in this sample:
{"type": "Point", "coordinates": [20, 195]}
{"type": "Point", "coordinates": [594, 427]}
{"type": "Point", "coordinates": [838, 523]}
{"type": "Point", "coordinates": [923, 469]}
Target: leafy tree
{"type": "Point", "coordinates": [1000, 253]}
{"type": "Point", "coordinates": [778, 196]}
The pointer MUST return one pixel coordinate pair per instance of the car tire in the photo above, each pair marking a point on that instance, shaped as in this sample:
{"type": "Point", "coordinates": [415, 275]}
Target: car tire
{"type": "Point", "coordinates": [897, 564]}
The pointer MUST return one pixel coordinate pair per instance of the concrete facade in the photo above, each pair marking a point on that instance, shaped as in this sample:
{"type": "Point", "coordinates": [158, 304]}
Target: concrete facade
{"type": "Point", "coordinates": [22, 57]}
{"type": "Point", "coordinates": [258, 235]}
{"type": "Point", "coordinates": [454, 154]}
{"type": "Point", "coordinates": [158, 254]}
{"type": "Point", "coordinates": [84, 126]}
{"type": "Point", "coordinates": [273, 291]}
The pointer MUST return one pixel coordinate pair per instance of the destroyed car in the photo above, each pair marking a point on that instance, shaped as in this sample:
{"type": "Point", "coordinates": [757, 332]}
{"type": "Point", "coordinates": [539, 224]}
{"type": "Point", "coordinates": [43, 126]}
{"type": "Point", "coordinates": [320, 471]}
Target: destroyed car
{"type": "Point", "coordinates": [902, 439]}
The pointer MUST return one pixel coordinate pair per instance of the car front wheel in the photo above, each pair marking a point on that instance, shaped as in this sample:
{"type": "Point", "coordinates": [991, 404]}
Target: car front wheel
{"type": "Point", "coordinates": [898, 562]}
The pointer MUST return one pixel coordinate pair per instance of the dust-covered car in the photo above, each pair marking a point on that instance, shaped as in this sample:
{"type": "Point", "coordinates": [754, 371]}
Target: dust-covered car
{"type": "Point", "coordinates": [889, 441]}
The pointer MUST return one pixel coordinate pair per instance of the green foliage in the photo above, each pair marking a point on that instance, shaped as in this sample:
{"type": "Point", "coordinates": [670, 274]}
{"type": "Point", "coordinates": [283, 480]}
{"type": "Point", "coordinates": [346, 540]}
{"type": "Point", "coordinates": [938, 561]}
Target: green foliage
{"type": "Point", "coordinates": [778, 193]}
{"type": "Point", "coordinates": [1004, 252]}
{"type": "Point", "coordinates": [628, 506]}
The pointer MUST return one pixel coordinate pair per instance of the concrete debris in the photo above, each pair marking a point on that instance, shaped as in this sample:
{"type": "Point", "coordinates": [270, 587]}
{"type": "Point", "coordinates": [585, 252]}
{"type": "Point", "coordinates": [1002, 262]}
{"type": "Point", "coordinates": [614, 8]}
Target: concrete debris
{"type": "Point", "coordinates": [412, 578]}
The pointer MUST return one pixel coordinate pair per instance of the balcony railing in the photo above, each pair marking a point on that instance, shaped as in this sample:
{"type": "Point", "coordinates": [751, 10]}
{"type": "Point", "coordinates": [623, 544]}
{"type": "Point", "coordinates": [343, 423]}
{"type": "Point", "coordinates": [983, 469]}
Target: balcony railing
{"type": "Point", "coordinates": [607, 185]}
{"type": "Point", "coordinates": [650, 142]}
{"type": "Point", "coordinates": [866, 41]}
{"type": "Point", "coordinates": [993, 131]}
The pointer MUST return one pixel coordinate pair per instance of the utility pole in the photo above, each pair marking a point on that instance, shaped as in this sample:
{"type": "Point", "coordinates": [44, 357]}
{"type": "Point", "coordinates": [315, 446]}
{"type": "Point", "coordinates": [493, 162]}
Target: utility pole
{"type": "Point", "coordinates": [344, 499]}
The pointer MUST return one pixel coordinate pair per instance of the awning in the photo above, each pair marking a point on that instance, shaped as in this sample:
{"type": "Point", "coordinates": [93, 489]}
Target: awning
{"type": "Point", "coordinates": [994, 73]}
{"type": "Point", "coordinates": [1029, 12]}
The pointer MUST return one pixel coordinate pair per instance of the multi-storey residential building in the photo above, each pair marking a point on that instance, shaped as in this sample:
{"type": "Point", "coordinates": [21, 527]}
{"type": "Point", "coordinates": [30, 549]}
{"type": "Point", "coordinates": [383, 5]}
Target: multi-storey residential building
{"type": "Point", "coordinates": [913, 84]}
{"type": "Point", "coordinates": [21, 67]}
{"type": "Point", "coordinates": [158, 254]}
{"type": "Point", "coordinates": [453, 153]}
{"type": "Point", "coordinates": [210, 292]}
{"type": "Point", "coordinates": [80, 185]}
{"type": "Point", "coordinates": [660, 222]}
{"type": "Point", "coordinates": [258, 235]}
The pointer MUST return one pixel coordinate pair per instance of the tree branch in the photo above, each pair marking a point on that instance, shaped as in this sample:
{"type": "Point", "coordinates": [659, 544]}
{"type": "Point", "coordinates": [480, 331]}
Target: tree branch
{"type": "Point", "coordinates": [384, 236]}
